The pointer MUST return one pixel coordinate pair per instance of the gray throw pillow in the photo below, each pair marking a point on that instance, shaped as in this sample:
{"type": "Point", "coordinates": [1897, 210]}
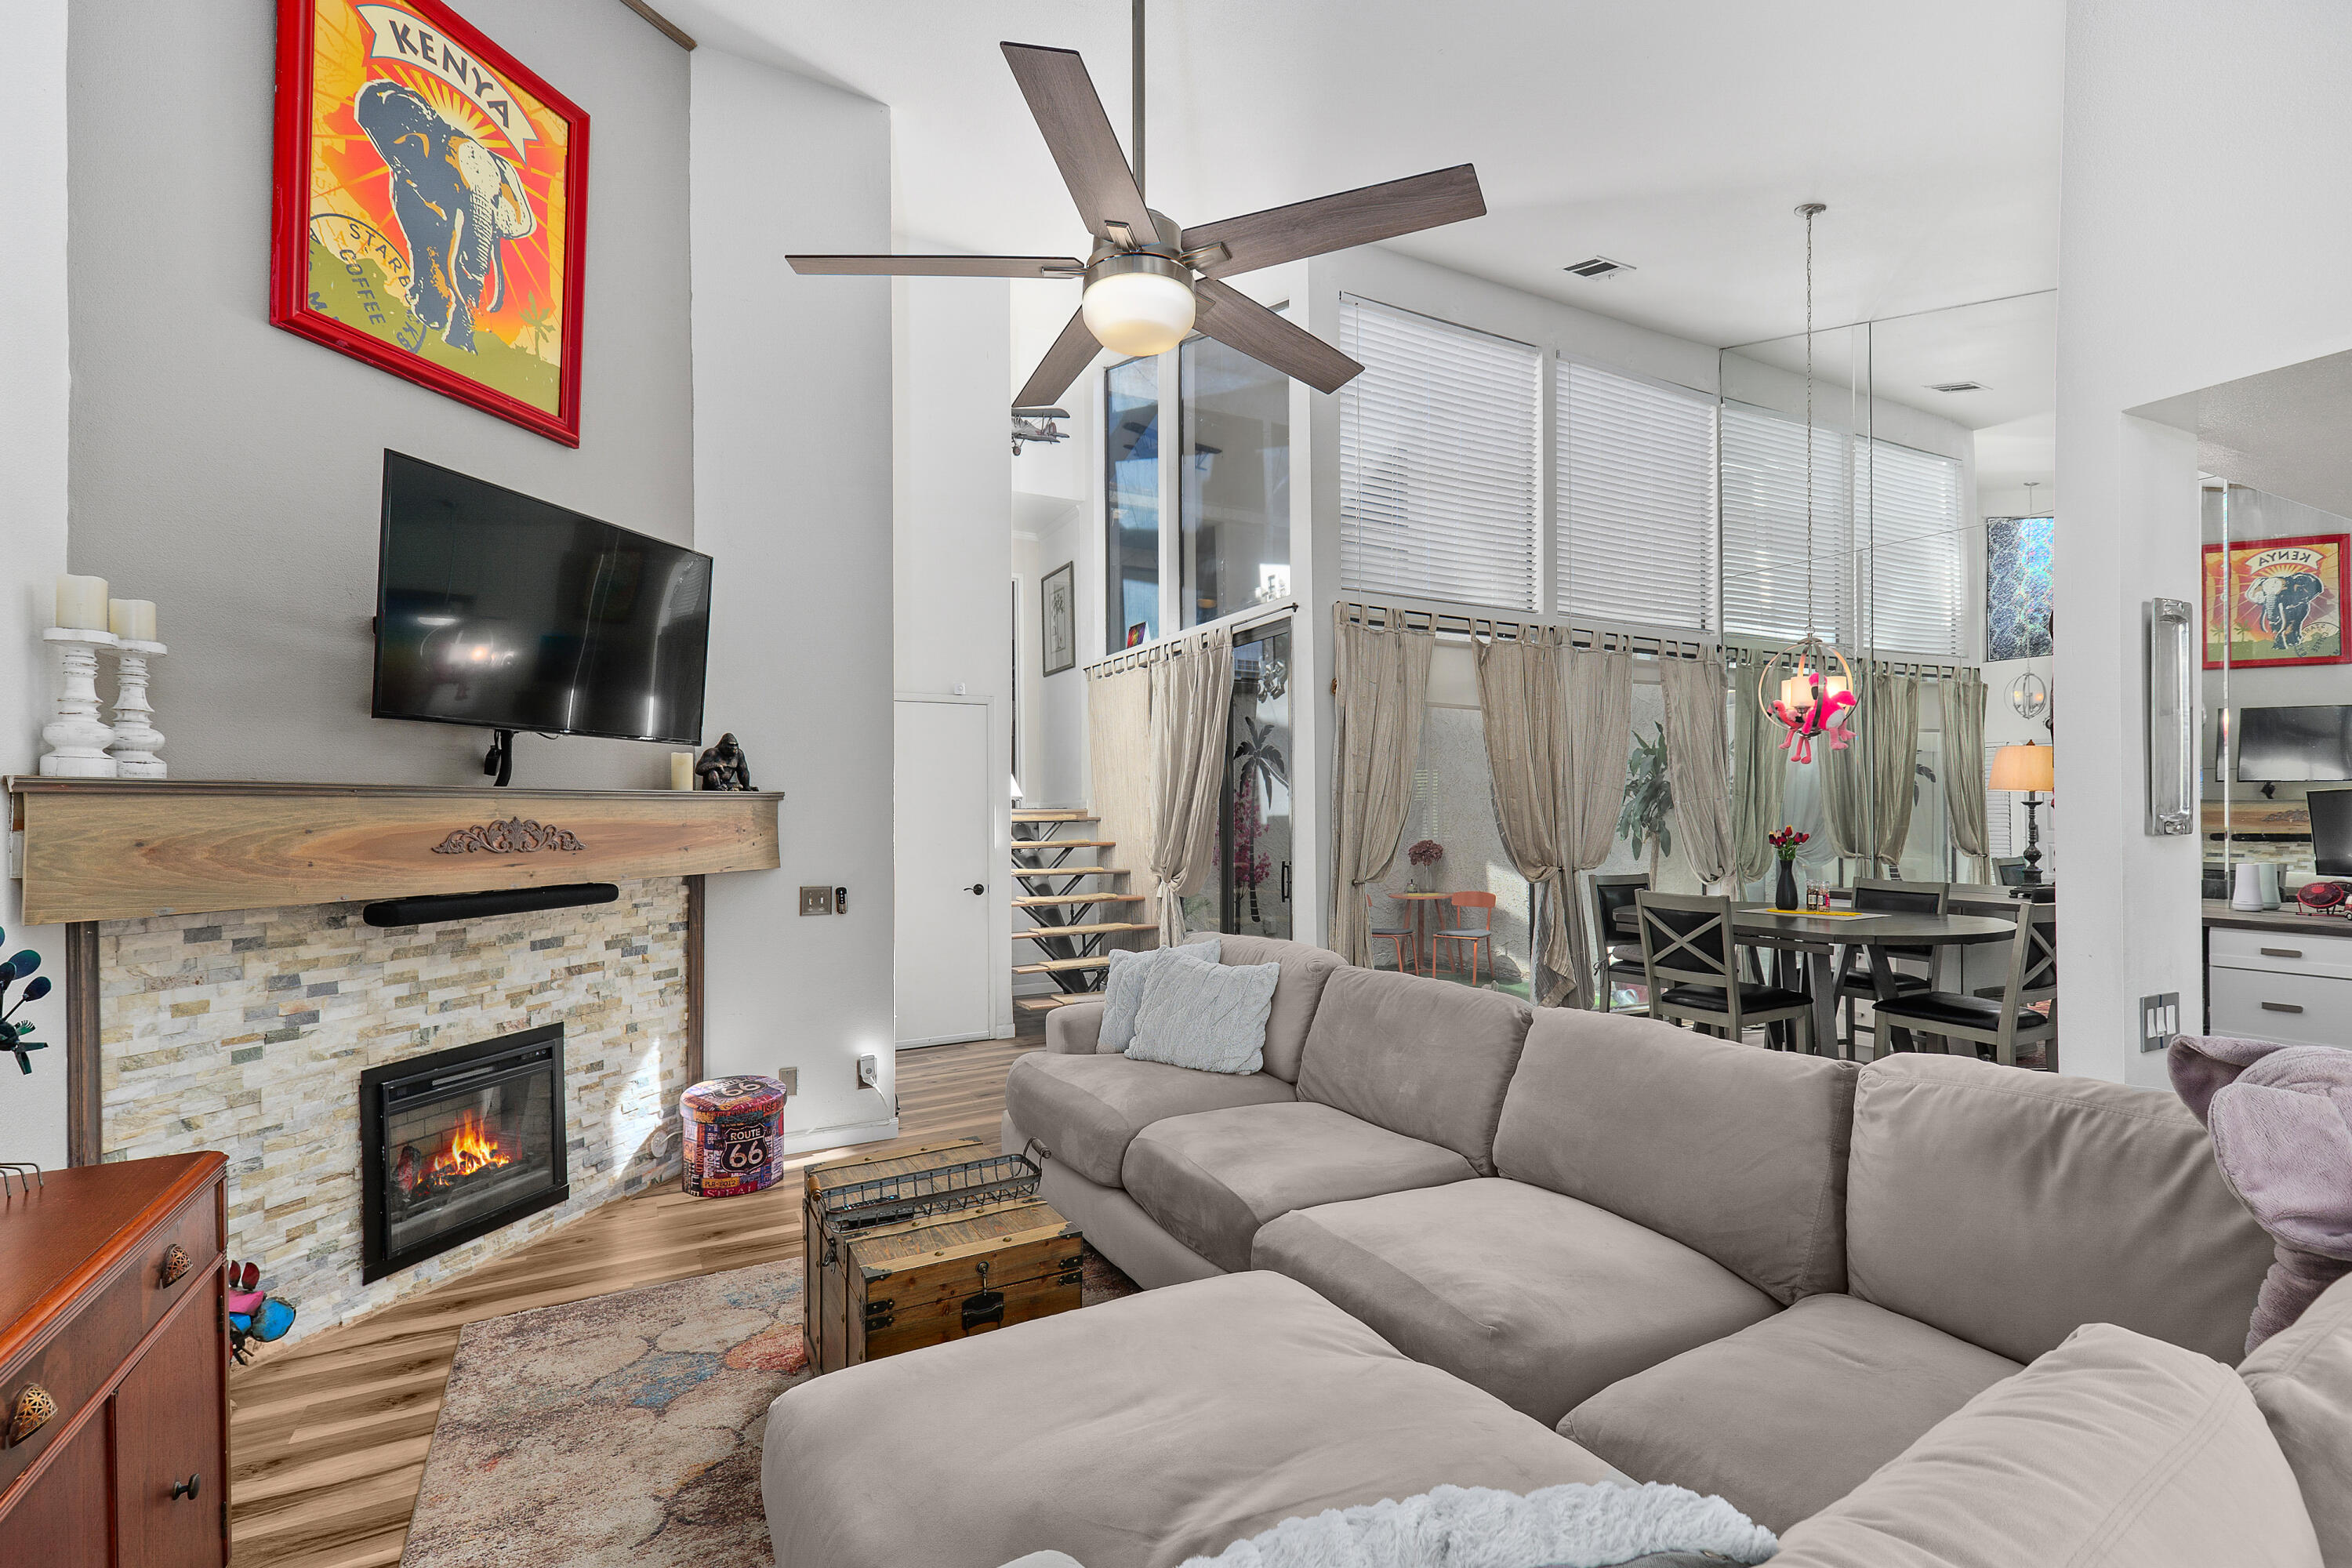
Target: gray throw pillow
{"type": "Point", "coordinates": [1123, 991]}
{"type": "Point", "coordinates": [1207, 1016]}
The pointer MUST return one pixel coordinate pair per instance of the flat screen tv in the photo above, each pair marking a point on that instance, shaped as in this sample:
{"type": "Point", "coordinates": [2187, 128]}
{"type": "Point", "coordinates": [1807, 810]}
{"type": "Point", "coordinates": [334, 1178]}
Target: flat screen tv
{"type": "Point", "coordinates": [501, 610]}
{"type": "Point", "coordinates": [2287, 745]}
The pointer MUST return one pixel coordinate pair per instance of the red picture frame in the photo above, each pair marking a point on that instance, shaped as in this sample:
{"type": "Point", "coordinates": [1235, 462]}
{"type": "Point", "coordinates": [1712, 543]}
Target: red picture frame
{"type": "Point", "coordinates": [2307, 626]}
{"type": "Point", "coordinates": [417, 98]}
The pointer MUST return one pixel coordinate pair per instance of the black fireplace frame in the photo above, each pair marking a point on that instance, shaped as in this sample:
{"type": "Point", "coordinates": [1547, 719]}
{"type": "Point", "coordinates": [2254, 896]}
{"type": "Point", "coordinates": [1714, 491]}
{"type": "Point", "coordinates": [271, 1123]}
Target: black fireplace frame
{"type": "Point", "coordinates": [478, 1066]}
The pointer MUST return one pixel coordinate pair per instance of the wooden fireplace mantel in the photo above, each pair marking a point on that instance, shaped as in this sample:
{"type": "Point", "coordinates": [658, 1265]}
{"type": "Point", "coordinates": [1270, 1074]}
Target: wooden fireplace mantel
{"type": "Point", "coordinates": [100, 850]}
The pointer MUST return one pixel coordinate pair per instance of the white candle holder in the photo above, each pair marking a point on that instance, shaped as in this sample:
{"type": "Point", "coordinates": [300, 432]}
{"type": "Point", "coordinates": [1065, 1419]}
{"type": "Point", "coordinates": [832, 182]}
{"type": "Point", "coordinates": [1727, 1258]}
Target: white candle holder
{"type": "Point", "coordinates": [77, 737]}
{"type": "Point", "coordinates": [135, 737]}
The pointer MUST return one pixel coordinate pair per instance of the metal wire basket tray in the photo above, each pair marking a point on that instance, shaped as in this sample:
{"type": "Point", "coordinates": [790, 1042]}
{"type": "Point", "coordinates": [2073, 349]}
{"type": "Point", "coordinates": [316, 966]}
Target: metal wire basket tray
{"type": "Point", "coordinates": [925, 1194]}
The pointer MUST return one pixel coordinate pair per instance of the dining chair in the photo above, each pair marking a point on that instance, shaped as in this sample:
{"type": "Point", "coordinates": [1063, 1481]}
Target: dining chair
{"type": "Point", "coordinates": [1688, 958]}
{"type": "Point", "coordinates": [1396, 936]}
{"type": "Point", "coordinates": [1614, 929]}
{"type": "Point", "coordinates": [1855, 982]}
{"type": "Point", "coordinates": [1475, 938]}
{"type": "Point", "coordinates": [1997, 1017]}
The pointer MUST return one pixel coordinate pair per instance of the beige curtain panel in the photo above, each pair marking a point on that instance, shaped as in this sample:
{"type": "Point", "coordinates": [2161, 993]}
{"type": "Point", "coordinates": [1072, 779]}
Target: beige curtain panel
{"type": "Point", "coordinates": [1600, 732]}
{"type": "Point", "coordinates": [1964, 766]}
{"type": "Point", "coordinates": [1522, 698]}
{"type": "Point", "coordinates": [1758, 770]}
{"type": "Point", "coordinates": [1191, 691]}
{"type": "Point", "coordinates": [1382, 679]}
{"type": "Point", "coordinates": [1698, 763]}
{"type": "Point", "coordinates": [1119, 757]}
{"type": "Point", "coordinates": [1894, 759]}
{"type": "Point", "coordinates": [1847, 776]}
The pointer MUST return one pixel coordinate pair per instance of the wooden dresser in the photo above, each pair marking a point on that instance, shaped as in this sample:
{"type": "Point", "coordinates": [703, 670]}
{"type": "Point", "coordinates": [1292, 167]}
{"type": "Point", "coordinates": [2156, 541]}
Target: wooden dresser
{"type": "Point", "coordinates": [112, 1317]}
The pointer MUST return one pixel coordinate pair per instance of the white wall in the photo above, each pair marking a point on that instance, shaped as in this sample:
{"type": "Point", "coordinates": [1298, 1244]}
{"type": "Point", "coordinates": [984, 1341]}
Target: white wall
{"type": "Point", "coordinates": [792, 495]}
{"type": "Point", "coordinates": [953, 536]}
{"type": "Point", "coordinates": [33, 409]}
{"type": "Point", "coordinates": [2187, 122]}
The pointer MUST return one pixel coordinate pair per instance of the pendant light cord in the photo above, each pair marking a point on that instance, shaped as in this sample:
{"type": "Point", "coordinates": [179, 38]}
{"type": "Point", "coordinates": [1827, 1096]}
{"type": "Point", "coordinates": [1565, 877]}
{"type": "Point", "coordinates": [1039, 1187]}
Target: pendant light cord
{"type": "Point", "coordinates": [1808, 209]}
{"type": "Point", "coordinates": [1135, 44]}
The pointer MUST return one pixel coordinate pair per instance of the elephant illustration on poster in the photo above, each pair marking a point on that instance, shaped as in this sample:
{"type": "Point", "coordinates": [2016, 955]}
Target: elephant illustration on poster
{"type": "Point", "coordinates": [2287, 600]}
{"type": "Point", "coordinates": [454, 200]}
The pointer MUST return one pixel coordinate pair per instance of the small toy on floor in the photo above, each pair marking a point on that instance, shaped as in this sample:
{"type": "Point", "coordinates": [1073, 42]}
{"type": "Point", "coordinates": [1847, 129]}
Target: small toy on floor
{"type": "Point", "coordinates": [251, 1314]}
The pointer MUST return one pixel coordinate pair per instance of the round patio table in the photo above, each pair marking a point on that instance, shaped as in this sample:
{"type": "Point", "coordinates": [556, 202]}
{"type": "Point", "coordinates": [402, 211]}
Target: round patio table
{"type": "Point", "coordinates": [1420, 903]}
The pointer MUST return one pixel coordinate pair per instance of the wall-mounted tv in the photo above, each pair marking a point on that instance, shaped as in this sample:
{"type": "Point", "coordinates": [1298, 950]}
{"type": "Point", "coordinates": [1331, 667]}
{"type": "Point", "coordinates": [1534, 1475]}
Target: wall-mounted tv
{"type": "Point", "coordinates": [2293, 745]}
{"type": "Point", "coordinates": [498, 610]}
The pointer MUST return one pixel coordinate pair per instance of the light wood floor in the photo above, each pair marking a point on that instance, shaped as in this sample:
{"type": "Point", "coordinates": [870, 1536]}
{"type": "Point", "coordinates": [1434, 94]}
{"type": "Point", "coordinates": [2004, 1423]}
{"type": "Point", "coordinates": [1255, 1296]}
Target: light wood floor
{"type": "Point", "coordinates": [328, 1436]}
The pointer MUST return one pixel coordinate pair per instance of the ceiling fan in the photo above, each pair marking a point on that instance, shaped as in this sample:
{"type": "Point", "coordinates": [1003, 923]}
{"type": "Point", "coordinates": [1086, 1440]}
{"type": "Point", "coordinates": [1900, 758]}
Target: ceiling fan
{"type": "Point", "coordinates": [1148, 283]}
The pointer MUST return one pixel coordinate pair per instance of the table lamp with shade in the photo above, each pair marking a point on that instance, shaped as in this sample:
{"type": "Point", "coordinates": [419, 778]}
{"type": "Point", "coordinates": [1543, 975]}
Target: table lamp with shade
{"type": "Point", "coordinates": [2027, 768]}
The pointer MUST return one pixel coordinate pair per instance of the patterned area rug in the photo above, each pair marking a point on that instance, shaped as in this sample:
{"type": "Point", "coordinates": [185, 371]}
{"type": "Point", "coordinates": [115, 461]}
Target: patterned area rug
{"type": "Point", "coordinates": [623, 1429]}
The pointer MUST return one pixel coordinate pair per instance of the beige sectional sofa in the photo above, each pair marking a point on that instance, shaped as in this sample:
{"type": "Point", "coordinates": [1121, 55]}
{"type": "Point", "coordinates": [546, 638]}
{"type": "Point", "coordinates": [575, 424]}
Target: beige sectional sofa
{"type": "Point", "coordinates": [1444, 1239]}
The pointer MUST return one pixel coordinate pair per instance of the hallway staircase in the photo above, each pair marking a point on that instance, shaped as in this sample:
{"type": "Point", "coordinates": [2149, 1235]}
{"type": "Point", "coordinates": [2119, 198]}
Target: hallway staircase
{"type": "Point", "coordinates": [1067, 917]}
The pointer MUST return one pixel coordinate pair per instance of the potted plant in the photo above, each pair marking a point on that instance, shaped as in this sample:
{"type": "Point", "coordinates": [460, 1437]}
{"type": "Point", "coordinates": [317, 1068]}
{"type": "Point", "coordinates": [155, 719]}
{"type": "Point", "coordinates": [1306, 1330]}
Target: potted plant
{"type": "Point", "coordinates": [1649, 800]}
{"type": "Point", "coordinates": [1424, 856]}
{"type": "Point", "coordinates": [1785, 844]}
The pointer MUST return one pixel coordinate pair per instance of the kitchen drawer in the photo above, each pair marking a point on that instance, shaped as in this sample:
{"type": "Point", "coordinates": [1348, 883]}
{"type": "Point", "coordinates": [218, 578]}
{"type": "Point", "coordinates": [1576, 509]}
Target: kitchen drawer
{"type": "Point", "coordinates": [2324, 952]}
{"type": "Point", "coordinates": [2267, 1005]}
{"type": "Point", "coordinates": [100, 1331]}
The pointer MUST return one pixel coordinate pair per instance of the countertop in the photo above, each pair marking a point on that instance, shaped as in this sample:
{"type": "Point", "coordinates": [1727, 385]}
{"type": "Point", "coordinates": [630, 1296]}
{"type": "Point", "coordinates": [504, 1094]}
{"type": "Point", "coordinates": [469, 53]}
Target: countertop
{"type": "Point", "coordinates": [2218, 913]}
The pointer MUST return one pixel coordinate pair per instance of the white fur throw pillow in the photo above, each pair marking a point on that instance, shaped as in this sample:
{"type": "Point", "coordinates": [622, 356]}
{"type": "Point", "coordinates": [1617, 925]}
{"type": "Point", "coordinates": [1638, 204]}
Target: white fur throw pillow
{"type": "Point", "coordinates": [1211, 1016]}
{"type": "Point", "coordinates": [1123, 990]}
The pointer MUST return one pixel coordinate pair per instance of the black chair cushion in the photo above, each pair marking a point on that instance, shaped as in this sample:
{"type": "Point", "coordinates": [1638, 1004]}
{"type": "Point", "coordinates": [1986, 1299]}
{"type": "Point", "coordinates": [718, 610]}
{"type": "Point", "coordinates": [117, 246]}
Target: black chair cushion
{"type": "Point", "coordinates": [1862, 985]}
{"type": "Point", "coordinates": [1630, 970]}
{"type": "Point", "coordinates": [1752, 998]}
{"type": "Point", "coordinates": [1949, 1007]}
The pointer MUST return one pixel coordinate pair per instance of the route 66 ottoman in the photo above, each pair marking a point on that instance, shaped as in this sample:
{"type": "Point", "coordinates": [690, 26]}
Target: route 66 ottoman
{"type": "Point", "coordinates": [733, 1136]}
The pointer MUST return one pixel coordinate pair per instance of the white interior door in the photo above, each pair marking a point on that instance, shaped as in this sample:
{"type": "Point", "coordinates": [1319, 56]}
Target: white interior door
{"type": "Point", "coordinates": [947, 877]}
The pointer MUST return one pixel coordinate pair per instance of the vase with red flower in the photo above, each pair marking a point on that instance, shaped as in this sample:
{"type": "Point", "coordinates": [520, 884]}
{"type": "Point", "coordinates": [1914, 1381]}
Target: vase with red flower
{"type": "Point", "coordinates": [1786, 893]}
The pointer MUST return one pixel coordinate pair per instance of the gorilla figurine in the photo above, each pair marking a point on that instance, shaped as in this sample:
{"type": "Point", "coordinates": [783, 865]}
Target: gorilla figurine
{"type": "Point", "coordinates": [455, 199]}
{"type": "Point", "coordinates": [2286, 599]}
{"type": "Point", "coordinates": [724, 766]}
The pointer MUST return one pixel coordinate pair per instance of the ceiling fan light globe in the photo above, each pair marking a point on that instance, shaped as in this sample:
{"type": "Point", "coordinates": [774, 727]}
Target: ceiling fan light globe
{"type": "Point", "coordinates": [1139, 312]}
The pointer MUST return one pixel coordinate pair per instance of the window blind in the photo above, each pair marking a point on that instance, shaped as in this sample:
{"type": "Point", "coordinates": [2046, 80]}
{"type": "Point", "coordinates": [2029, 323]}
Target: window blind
{"type": "Point", "coordinates": [1764, 591]}
{"type": "Point", "coordinates": [1912, 571]}
{"type": "Point", "coordinates": [1634, 467]}
{"type": "Point", "coordinates": [1440, 439]}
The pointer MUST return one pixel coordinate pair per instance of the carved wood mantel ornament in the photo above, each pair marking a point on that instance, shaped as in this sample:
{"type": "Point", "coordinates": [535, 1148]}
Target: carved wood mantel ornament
{"type": "Point", "coordinates": [515, 836]}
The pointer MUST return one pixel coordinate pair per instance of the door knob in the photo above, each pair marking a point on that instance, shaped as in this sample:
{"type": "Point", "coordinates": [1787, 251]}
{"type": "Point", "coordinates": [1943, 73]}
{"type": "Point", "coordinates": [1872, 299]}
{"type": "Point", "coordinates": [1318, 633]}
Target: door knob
{"type": "Point", "coordinates": [188, 1487]}
{"type": "Point", "coordinates": [980, 888]}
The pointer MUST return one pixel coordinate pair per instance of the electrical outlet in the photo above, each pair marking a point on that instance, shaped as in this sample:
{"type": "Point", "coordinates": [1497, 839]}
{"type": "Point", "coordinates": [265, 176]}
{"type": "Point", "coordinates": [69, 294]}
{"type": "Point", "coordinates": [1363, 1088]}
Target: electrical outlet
{"type": "Point", "coordinates": [791, 1079]}
{"type": "Point", "coordinates": [816, 900]}
{"type": "Point", "coordinates": [841, 900]}
{"type": "Point", "coordinates": [870, 1072]}
{"type": "Point", "coordinates": [2159, 1020]}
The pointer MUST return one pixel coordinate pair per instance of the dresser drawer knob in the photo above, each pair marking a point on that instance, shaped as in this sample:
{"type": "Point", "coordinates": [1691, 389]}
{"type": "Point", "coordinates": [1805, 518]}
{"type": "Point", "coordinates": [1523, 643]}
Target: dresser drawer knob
{"type": "Point", "coordinates": [176, 1264]}
{"type": "Point", "coordinates": [2281, 1007]}
{"type": "Point", "coordinates": [2281, 953]}
{"type": "Point", "coordinates": [188, 1487]}
{"type": "Point", "coordinates": [34, 1406]}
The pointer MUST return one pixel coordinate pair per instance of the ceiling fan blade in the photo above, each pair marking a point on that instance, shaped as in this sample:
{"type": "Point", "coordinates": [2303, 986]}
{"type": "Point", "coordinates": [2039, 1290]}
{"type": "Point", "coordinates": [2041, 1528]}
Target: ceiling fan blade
{"type": "Point", "coordinates": [1239, 321]}
{"type": "Point", "coordinates": [1078, 132]}
{"type": "Point", "coordinates": [1071, 354]}
{"type": "Point", "coordinates": [940, 266]}
{"type": "Point", "coordinates": [1336, 222]}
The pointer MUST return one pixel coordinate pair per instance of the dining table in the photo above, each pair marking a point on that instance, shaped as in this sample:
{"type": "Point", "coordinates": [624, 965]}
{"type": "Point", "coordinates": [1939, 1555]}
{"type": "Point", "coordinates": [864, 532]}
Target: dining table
{"type": "Point", "coordinates": [1420, 904]}
{"type": "Point", "coordinates": [1819, 939]}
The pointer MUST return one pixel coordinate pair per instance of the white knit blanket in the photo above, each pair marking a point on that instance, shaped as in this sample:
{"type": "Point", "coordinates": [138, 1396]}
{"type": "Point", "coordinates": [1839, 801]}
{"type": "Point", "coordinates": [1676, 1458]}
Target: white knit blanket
{"type": "Point", "coordinates": [1572, 1526]}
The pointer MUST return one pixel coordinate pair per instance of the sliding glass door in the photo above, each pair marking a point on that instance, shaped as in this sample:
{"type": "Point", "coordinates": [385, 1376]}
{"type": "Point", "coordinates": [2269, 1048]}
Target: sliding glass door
{"type": "Point", "coordinates": [1254, 882]}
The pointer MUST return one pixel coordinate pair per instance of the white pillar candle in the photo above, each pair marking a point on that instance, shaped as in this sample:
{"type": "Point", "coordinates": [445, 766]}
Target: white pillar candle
{"type": "Point", "coordinates": [681, 770]}
{"type": "Point", "coordinates": [82, 603]}
{"type": "Point", "coordinates": [132, 620]}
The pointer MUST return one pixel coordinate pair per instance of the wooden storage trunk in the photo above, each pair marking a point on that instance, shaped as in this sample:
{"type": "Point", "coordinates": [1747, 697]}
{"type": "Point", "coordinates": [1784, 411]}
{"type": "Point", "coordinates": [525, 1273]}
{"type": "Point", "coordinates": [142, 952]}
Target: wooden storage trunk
{"type": "Point", "coordinates": [936, 1243]}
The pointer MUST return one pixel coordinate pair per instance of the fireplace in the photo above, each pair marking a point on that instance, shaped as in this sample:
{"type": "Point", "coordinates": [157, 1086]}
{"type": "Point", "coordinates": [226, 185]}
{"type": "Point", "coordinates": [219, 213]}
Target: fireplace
{"type": "Point", "coordinates": [455, 1144]}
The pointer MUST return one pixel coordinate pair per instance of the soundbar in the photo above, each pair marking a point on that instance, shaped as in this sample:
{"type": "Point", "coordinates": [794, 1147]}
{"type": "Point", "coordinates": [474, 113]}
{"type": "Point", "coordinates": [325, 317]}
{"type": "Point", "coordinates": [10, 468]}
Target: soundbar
{"type": "Point", "coordinates": [433, 909]}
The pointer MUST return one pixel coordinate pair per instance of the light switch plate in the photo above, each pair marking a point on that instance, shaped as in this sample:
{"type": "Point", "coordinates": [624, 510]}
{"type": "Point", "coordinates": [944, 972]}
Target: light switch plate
{"type": "Point", "coordinates": [2159, 1020]}
{"type": "Point", "coordinates": [816, 900]}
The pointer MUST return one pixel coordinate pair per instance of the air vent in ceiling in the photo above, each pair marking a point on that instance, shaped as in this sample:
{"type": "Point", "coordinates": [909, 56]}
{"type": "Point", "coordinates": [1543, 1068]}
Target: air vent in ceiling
{"type": "Point", "coordinates": [1957, 386]}
{"type": "Point", "coordinates": [1598, 267]}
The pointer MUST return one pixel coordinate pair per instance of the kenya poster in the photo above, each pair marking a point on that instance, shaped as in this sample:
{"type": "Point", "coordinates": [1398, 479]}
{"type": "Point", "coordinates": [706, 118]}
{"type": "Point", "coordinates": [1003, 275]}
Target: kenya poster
{"type": "Point", "coordinates": [429, 196]}
{"type": "Point", "coordinates": [2281, 602]}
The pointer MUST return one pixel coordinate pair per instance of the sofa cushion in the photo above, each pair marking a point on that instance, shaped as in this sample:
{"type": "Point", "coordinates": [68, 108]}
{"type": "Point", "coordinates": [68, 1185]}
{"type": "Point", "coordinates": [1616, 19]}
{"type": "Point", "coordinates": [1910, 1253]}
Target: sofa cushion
{"type": "Point", "coordinates": [1784, 1419]}
{"type": "Point", "coordinates": [1123, 984]}
{"type": "Point", "coordinates": [1075, 1028]}
{"type": "Point", "coordinates": [2302, 1379]}
{"type": "Point", "coordinates": [1738, 1152]}
{"type": "Point", "coordinates": [1131, 1435]}
{"type": "Point", "coordinates": [1537, 1299]}
{"type": "Point", "coordinates": [1210, 1180]}
{"type": "Point", "coordinates": [1207, 1016]}
{"type": "Point", "coordinates": [2009, 1208]}
{"type": "Point", "coordinates": [1305, 970]}
{"type": "Point", "coordinates": [1085, 1109]}
{"type": "Point", "coordinates": [2114, 1450]}
{"type": "Point", "coordinates": [1424, 1057]}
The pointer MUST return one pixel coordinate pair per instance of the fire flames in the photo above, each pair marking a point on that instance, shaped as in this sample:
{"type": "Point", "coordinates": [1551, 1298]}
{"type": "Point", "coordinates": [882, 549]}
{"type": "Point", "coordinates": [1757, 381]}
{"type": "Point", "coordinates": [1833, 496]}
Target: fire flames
{"type": "Point", "coordinates": [469, 1147]}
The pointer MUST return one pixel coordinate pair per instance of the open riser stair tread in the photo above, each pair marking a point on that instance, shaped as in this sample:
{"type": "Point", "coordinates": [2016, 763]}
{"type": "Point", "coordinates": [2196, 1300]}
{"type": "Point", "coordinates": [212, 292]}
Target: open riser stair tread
{"type": "Point", "coordinates": [1034, 845]}
{"type": "Point", "coordinates": [1053, 814]}
{"type": "Point", "coordinates": [1044, 901]}
{"type": "Point", "coordinates": [1061, 965]}
{"type": "Point", "coordinates": [1104, 927]}
{"type": "Point", "coordinates": [1032, 873]}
